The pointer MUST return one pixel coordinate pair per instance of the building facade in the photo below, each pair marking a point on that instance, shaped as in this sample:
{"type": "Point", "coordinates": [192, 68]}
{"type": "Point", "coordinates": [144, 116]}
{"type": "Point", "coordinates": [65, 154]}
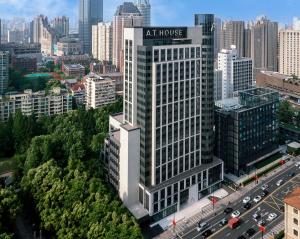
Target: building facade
{"type": "Point", "coordinates": [73, 70]}
{"type": "Point", "coordinates": [145, 9]}
{"type": "Point", "coordinates": [4, 63]}
{"type": "Point", "coordinates": [102, 41]}
{"type": "Point", "coordinates": [158, 156]}
{"type": "Point", "coordinates": [292, 215]}
{"type": "Point", "coordinates": [57, 101]}
{"type": "Point", "coordinates": [61, 26]}
{"type": "Point", "coordinates": [99, 91]}
{"type": "Point", "coordinates": [127, 15]}
{"type": "Point", "coordinates": [90, 13]}
{"type": "Point", "coordinates": [246, 129]}
{"type": "Point", "coordinates": [69, 46]}
{"type": "Point", "coordinates": [237, 72]}
{"type": "Point", "coordinates": [264, 45]}
{"type": "Point", "coordinates": [289, 58]}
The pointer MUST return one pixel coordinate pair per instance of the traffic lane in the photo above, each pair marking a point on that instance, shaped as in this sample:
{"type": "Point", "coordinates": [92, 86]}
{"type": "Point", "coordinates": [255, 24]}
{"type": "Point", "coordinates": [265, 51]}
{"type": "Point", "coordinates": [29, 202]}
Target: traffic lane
{"type": "Point", "coordinates": [238, 205]}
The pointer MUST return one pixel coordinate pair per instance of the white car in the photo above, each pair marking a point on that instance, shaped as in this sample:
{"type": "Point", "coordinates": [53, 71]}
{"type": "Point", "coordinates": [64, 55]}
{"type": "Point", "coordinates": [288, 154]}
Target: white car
{"type": "Point", "coordinates": [272, 216]}
{"type": "Point", "coordinates": [235, 214]}
{"type": "Point", "coordinates": [279, 182]}
{"type": "Point", "coordinates": [297, 164]}
{"type": "Point", "coordinates": [202, 226]}
{"type": "Point", "coordinates": [257, 199]}
{"type": "Point", "coordinates": [246, 200]}
{"type": "Point", "coordinates": [264, 187]}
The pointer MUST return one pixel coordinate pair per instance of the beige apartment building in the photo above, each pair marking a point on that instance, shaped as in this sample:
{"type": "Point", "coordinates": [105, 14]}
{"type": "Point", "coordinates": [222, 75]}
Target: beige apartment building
{"type": "Point", "coordinates": [102, 41]}
{"type": "Point", "coordinates": [289, 52]}
{"type": "Point", "coordinates": [292, 215]}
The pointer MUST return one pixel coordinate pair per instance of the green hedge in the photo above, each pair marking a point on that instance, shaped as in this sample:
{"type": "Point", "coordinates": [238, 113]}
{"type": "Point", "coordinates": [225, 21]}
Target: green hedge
{"type": "Point", "coordinates": [280, 235]}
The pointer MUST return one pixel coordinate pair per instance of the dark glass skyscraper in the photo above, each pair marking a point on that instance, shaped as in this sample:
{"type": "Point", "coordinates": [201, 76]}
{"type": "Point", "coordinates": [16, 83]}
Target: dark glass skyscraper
{"type": "Point", "coordinates": [90, 13]}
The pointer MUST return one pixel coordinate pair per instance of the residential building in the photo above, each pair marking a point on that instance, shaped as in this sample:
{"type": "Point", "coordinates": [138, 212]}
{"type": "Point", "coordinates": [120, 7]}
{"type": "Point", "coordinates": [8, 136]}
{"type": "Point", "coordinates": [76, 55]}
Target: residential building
{"type": "Point", "coordinates": [57, 101]}
{"type": "Point", "coordinates": [15, 36]}
{"type": "Point", "coordinates": [237, 72]}
{"type": "Point", "coordinates": [4, 62]}
{"type": "Point", "coordinates": [289, 58]}
{"type": "Point", "coordinates": [90, 13]}
{"type": "Point", "coordinates": [24, 64]}
{"type": "Point", "coordinates": [246, 129]}
{"type": "Point", "coordinates": [69, 46]}
{"type": "Point", "coordinates": [117, 77]}
{"type": "Point", "coordinates": [158, 152]}
{"type": "Point", "coordinates": [84, 60]}
{"type": "Point", "coordinates": [217, 85]}
{"type": "Point", "coordinates": [99, 91]}
{"type": "Point", "coordinates": [103, 67]}
{"type": "Point", "coordinates": [127, 15]}
{"type": "Point", "coordinates": [102, 41]}
{"type": "Point", "coordinates": [61, 26]}
{"type": "Point", "coordinates": [233, 33]}
{"type": "Point", "coordinates": [73, 70]}
{"type": "Point", "coordinates": [264, 45]}
{"type": "Point", "coordinates": [292, 214]}
{"type": "Point", "coordinates": [78, 93]}
{"type": "Point", "coordinates": [145, 9]}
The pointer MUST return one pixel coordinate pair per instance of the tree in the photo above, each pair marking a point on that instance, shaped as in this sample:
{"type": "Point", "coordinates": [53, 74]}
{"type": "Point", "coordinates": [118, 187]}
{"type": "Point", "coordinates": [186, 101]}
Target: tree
{"type": "Point", "coordinates": [285, 113]}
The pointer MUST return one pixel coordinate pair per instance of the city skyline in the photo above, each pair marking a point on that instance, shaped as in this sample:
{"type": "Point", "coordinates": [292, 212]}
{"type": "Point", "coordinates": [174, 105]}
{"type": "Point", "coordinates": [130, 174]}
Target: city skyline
{"type": "Point", "coordinates": [162, 12]}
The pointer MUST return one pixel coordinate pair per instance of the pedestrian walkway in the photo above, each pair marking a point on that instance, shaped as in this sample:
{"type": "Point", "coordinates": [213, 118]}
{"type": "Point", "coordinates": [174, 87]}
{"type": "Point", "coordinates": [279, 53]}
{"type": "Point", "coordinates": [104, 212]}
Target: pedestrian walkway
{"type": "Point", "coordinates": [275, 230]}
{"type": "Point", "coordinates": [204, 209]}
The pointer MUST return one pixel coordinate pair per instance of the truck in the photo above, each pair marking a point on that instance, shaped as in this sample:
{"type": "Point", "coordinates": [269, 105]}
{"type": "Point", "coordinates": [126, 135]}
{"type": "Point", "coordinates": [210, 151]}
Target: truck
{"type": "Point", "coordinates": [233, 222]}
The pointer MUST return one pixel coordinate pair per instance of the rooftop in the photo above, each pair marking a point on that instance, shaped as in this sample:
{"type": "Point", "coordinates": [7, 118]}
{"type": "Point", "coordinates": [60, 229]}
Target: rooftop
{"type": "Point", "coordinates": [127, 8]}
{"type": "Point", "coordinates": [73, 66]}
{"type": "Point", "coordinates": [275, 74]}
{"type": "Point", "coordinates": [293, 199]}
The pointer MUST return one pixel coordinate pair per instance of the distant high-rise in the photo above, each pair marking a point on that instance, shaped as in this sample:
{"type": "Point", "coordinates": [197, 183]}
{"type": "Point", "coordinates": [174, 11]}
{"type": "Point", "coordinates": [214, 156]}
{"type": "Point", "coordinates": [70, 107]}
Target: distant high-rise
{"type": "Point", "coordinates": [233, 34]}
{"type": "Point", "coordinates": [102, 41]}
{"type": "Point", "coordinates": [264, 43]}
{"type": "Point", "coordinates": [90, 13]}
{"type": "Point", "coordinates": [4, 60]}
{"type": "Point", "coordinates": [145, 9]}
{"type": "Point", "coordinates": [289, 59]}
{"type": "Point", "coordinates": [247, 41]}
{"type": "Point", "coordinates": [218, 30]}
{"type": "Point", "coordinates": [127, 15]}
{"type": "Point", "coordinates": [61, 26]}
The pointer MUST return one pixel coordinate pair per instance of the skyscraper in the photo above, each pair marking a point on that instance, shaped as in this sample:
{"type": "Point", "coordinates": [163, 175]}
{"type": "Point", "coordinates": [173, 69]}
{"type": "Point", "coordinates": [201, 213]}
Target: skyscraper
{"type": "Point", "coordinates": [218, 31]}
{"type": "Point", "coordinates": [237, 72]}
{"type": "Point", "coordinates": [4, 61]}
{"type": "Point", "coordinates": [233, 34]}
{"type": "Point", "coordinates": [61, 26]}
{"type": "Point", "coordinates": [264, 44]}
{"type": "Point", "coordinates": [145, 9]}
{"type": "Point", "coordinates": [90, 13]}
{"type": "Point", "coordinates": [127, 15]}
{"type": "Point", "coordinates": [159, 156]}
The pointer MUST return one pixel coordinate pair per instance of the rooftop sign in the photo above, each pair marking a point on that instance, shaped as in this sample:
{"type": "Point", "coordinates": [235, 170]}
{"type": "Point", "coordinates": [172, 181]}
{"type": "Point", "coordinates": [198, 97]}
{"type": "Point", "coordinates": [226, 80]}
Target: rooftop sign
{"type": "Point", "coordinates": [165, 33]}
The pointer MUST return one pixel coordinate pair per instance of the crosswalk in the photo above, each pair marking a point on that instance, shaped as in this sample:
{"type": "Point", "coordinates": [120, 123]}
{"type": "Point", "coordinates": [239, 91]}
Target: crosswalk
{"type": "Point", "coordinates": [275, 230]}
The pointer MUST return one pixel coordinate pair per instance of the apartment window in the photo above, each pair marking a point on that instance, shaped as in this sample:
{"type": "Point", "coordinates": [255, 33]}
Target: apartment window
{"type": "Point", "coordinates": [295, 232]}
{"type": "Point", "coordinates": [296, 221]}
{"type": "Point", "coordinates": [295, 211]}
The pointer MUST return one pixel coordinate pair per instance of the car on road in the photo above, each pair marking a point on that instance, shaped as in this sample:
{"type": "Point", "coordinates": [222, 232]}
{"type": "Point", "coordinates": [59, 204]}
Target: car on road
{"type": "Point", "coordinates": [264, 187]}
{"type": "Point", "coordinates": [261, 223]}
{"type": "Point", "coordinates": [257, 199]}
{"type": "Point", "coordinates": [250, 232]}
{"type": "Point", "coordinates": [202, 226]}
{"type": "Point", "coordinates": [228, 210]}
{"type": "Point", "coordinates": [279, 182]}
{"type": "Point", "coordinates": [223, 222]}
{"type": "Point", "coordinates": [246, 200]}
{"type": "Point", "coordinates": [247, 206]}
{"type": "Point", "coordinates": [297, 164]}
{"type": "Point", "coordinates": [292, 174]}
{"type": "Point", "coordinates": [256, 216]}
{"type": "Point", "coordinates": [264, 193]}
{"type": "Point", "coordinates": [271, 216]}
{"type": "Point", "coordinates": [207, 233]}
{"type": "Point", "coordinates": [235, 214]}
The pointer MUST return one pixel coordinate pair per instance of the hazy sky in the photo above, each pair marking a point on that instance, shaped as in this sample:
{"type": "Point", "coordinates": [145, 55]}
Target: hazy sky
{"type": "Point", "coordinates": [164, 12]}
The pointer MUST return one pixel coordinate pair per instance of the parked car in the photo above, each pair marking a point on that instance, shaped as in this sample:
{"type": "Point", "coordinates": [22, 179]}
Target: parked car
{"type": "Point", "coordinates": [228, 210]}
{"type": "Point", "coordinates": [223, 222]}
{"type": "Point", "coordinates": [279, 182]}
{"type": "Point", "coordinates": [257, 199]}
{"type": "Point", "coordinates": [264, 193]}
{"type": "Point", "coordinates": [235, 214]}
{"type": "Point", "coordinates": [291, 175]}
{"type": "Point", "coordinates": [271, 216]}
{"type": "Point", "coordinates": [264, 187]}
{"type": "Point", "coordinates": [202, 226]}
{"type": "Point", "coordinates": [247, 206]}
{"type": "Point", "coordinates": [256, 216]}
{"type": "Point", "coordinates": [206, 234]}
{"type": "Point", "coordinates": [246, 200]}
{"type": "Point", "coordinates": [250, 232]}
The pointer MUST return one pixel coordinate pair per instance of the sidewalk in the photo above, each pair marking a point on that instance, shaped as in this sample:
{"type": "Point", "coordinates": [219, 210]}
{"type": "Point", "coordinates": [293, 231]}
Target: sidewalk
{"type": "Point", "coordinates": [275, 230]}
{"type": "Point", "coordinates": [207, 210]}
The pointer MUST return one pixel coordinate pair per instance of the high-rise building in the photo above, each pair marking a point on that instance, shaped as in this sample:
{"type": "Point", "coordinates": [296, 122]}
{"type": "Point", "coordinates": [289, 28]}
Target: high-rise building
{"type": "Point", "coordinates": [217, 31]}
{"type": "Point", "coordinates": [205, 21]}
{"type": "Point", "coordinates": [217, 85]}
{"type": "Point", "coordinates": [127, 15]}
{"type": "Point", "coordinates": [61, 26]}
{"type": "Point", "coordinates": [264, 44]}
{"type": "Point", "coordinates": [145, 9]}
{"type": "Point", "coordinates": [246, 129]}
{"type": "Point", "coordinates": [292, 214]}
{"type": "Point", "coordinates": [159, 155]}
{"type": "Point", "coordinates": [15, 36]}
{"type": "Point", "coordinates": [237, 72]}
{"type": "Point", "coordinates": [4, 61]}
{"type": "Point", "coordinates": [233, 33]}
{"type": "Point", "coordinates": [247, 41]}
{"type": "Point", "coordinates": [99, 91]}
{"type": "Point", "coordinates": [289, 58]}
{"type": "Point", "coordinates": [102, 41]}
{"type": "Point", "coordinates": [90, 13]}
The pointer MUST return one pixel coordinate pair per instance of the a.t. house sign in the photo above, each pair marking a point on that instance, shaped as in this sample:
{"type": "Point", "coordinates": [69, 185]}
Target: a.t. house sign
{"type": "Point", "coordinates": [165, 33]}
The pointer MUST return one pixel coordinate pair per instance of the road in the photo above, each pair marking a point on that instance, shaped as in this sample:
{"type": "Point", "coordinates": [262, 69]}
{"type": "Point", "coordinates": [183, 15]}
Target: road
{"type": "Point", "coordinates": [270, 204]}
